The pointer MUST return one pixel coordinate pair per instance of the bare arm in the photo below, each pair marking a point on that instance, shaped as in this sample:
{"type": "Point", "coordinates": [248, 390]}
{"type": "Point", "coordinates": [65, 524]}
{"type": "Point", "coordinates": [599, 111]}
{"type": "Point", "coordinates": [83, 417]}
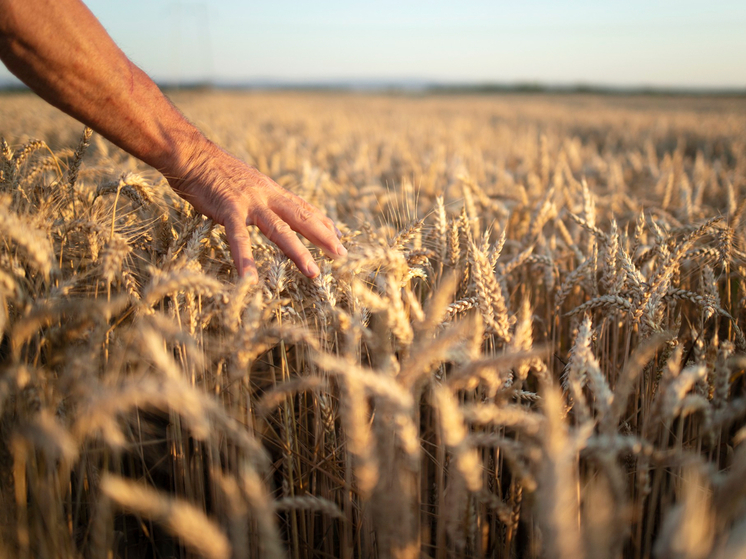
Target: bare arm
{"type": "Point", "coordinates": [60, 50]}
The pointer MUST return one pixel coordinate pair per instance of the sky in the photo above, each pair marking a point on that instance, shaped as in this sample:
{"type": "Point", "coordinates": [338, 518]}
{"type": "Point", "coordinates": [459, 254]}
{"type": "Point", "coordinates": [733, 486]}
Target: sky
{"type": "Point", "coordinates": [628, 43]}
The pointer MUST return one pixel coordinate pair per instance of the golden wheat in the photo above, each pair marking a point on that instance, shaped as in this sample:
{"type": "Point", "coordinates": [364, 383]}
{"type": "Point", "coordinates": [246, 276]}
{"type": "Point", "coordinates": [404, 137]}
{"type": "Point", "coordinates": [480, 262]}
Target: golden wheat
{"type": "Point", "coordinates": [534, 347]}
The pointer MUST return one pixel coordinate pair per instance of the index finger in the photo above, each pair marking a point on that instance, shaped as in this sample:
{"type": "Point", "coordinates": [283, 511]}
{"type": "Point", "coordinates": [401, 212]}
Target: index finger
{"type": "Point", "coordinates": [240, 245]}
{"type": "Point", "coordinates": [312, 224]}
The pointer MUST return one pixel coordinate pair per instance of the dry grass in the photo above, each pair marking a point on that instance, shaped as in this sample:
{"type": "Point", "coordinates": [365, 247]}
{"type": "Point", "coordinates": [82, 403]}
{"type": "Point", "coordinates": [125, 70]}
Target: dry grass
{"type": "Point", "coordinates": [533, 348]}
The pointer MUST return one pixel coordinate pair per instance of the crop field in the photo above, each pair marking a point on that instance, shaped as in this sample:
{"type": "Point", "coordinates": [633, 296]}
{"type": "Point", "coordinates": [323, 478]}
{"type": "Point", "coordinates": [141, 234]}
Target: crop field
{"type": "Point", "coordinates": [534, 347]}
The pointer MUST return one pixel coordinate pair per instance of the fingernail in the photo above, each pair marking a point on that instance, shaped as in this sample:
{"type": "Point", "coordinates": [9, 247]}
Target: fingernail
{"type": "Point", "coordinates": [248, 270]}
{"type": "Point", "coordinates": [342, 251]}
{"type": "Point", "coordinates": [339, 233]}
{"type": "Point", "coordinates": [312, 270]}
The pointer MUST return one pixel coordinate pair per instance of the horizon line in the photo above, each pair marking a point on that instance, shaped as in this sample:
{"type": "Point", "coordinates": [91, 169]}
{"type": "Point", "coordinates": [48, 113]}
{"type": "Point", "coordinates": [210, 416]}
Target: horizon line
{"type": "Point", "coordinates": [425, 86]}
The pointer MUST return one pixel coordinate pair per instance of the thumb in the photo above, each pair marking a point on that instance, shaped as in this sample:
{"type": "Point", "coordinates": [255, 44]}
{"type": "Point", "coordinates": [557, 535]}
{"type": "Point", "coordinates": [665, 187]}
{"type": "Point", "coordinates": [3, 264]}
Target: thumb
{"type": "Point", "coordinates": [240, 245]}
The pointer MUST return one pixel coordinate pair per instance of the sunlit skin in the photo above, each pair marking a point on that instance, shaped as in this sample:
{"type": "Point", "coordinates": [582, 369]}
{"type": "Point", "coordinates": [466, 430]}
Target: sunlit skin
{"type": "Point", "coordinates": [60, 50]}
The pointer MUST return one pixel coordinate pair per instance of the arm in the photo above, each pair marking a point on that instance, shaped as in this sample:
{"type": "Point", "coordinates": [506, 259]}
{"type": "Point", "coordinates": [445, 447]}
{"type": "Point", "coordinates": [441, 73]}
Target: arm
{"type": "Point", "coordinates": [60, 50]}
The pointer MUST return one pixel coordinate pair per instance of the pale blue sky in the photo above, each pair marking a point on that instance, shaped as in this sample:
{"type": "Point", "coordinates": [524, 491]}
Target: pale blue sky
{"type": "Point", "coordinates": [628, 43]}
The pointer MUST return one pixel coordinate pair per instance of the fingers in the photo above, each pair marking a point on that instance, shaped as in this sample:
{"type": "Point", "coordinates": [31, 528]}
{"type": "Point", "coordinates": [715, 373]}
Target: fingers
{"type": "Point", "coordinates": [312, 224]}
{"type": "Point", "coordinates": [253, 198]}
{"type": "Point", "coordinates": [280, 233]}
{"type": "Point", "coordinates": [240, 244]}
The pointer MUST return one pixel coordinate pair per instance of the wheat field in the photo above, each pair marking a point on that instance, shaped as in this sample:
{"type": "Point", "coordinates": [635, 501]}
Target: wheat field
{"type": "Point", "coordinates": [534, 347]}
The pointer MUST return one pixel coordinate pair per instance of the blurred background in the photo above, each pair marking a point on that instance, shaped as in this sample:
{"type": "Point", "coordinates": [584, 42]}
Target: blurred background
{"type": "Point", "coordinates": [417, 43]}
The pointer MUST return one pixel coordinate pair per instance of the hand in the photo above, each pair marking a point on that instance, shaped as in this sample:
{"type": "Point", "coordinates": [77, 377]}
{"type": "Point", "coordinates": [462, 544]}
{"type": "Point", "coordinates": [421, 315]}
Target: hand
{"type": "Point", "coordinates": [92, 80]}
{"type": "Point", "coordinates": [235, 195]}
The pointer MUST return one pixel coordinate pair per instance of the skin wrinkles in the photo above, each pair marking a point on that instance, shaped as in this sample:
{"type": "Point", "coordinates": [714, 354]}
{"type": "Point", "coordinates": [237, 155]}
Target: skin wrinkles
{"type": "Point", "coordinates": [92, 80]}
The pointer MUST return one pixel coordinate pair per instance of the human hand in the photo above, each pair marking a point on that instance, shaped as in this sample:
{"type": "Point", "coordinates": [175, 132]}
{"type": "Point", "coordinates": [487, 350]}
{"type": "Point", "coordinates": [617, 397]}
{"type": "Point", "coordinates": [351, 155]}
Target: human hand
{"type": "Point", "coordinates": [96, 83]}
{"type": "Point", "coordinates": [235, 195]}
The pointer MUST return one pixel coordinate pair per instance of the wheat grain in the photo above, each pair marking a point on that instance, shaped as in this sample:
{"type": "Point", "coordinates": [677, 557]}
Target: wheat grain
{"type": "Point", "coordinates": [402, 403]}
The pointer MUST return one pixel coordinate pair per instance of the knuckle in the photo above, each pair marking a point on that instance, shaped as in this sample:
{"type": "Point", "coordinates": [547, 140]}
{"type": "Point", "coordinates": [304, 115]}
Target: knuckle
{"type": "Point", "coordinates": [276, 229]}
{"type": "Point", "coordinates": [241, 236]}
{"type": "Point", "coordinates": [282, 228]}
{"type": "Point", "coordinates": [303, 214]}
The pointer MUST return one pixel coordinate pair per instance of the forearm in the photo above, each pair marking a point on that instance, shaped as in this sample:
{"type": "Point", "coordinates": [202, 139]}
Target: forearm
{"type": "Point", "coordinates": [61, 51]}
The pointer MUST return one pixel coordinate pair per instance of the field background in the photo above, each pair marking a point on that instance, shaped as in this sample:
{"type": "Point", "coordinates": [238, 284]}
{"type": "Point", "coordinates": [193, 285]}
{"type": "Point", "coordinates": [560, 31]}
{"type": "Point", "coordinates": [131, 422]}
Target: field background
{"type": "Point", "coordinates": [533, 348]}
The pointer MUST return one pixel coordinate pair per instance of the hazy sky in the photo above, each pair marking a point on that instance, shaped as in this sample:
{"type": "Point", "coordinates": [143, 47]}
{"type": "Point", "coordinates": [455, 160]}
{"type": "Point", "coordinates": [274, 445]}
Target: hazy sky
{"type": "Point", "coordinates": [632, 42]}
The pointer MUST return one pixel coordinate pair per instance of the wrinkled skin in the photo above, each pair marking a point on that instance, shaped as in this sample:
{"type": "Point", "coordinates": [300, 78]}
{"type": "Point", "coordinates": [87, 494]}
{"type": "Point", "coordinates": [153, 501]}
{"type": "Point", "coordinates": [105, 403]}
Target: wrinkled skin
{"type": "Point", "coordinates": [238, 195]}
{"type": "Point", "coordinates": [91, 79]}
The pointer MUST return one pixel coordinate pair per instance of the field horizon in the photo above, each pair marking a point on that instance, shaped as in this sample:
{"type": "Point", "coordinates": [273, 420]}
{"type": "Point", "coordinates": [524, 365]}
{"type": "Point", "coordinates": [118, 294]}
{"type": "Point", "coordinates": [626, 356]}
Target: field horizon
{"type": "Point", "coordinates": [425, 86]}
